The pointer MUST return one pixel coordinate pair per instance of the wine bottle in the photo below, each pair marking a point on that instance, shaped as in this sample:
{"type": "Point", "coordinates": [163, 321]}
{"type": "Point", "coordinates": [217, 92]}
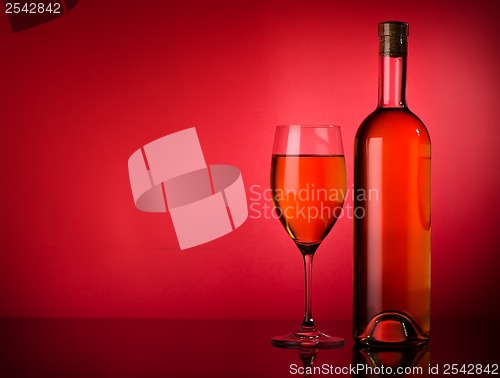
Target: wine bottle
{"type": "Point", "coordinates": [392, 226]}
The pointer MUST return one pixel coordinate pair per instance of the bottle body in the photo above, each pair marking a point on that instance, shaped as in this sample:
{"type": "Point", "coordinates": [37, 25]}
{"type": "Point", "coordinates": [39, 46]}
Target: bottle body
{"type": "Point", "coordinates": [392, 238]}
{"type": "Point", "coordinates": [392, 227]}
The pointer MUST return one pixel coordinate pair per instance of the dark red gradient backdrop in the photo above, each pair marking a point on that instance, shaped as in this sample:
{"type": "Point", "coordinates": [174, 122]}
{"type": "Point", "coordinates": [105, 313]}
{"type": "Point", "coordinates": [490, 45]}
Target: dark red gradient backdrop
{"type": "Point", "coordinates": [81, 93]}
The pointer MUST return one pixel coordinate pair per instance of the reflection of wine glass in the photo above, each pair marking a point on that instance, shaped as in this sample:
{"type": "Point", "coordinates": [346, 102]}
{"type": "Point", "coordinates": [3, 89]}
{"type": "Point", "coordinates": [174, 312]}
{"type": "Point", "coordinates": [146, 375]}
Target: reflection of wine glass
{"type": "Point", "coordinates": [307, 357]}
{"type": "Point", "coordinates": [308, 182]}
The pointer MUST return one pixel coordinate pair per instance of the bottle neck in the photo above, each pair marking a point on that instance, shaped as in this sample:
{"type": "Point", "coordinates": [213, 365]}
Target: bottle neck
{"type": "Point", "coordinates": [392, 82]}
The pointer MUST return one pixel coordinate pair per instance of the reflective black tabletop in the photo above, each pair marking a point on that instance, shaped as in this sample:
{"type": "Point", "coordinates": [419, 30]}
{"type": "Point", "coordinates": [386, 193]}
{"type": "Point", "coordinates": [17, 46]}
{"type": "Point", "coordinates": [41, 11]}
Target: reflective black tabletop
{"type": "Point", "coordinates": [227, 348]}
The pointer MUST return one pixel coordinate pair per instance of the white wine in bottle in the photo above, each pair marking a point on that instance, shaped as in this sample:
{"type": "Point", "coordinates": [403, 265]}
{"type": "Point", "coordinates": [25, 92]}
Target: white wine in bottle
{"type": "Point", "coordinates": [392, 179]}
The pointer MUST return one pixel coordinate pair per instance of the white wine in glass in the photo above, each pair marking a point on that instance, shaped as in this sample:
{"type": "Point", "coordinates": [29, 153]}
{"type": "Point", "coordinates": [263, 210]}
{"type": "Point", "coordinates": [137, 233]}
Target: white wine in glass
{"type": "Point", "coordinates": [308, 183]}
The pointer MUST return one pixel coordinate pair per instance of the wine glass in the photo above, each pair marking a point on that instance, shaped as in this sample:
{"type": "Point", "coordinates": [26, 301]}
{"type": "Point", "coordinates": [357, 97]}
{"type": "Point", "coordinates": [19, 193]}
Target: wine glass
{"type": "Point", "coordinates": [308, 183]}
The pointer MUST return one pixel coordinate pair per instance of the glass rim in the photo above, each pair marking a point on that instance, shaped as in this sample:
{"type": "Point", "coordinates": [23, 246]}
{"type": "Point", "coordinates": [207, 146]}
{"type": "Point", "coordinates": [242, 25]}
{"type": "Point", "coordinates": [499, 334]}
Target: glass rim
{"type": "Point", "coordinates": [319, 126]}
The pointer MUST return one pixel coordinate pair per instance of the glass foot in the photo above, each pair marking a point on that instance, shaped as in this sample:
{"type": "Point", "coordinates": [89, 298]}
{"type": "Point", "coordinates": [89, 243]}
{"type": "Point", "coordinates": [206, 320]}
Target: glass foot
{"type": "Point", "coordinates": [300, 340]}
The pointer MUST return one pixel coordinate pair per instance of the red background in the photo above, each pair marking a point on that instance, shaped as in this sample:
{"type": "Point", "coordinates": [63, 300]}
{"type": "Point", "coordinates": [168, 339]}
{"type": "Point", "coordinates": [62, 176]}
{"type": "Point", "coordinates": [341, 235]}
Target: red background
{"type": "Point", "coordinates": [81, 93]}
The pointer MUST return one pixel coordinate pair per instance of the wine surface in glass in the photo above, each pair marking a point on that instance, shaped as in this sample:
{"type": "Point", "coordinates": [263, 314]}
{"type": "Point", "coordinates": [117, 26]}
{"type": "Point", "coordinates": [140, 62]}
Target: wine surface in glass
{"type": "Point", "coordinates": [308, 194]}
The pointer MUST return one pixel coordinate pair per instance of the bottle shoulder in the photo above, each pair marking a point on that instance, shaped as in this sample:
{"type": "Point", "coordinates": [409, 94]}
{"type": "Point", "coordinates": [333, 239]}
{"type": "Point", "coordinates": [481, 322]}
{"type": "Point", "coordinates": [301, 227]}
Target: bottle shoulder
{"type": "Point", "coordinates": [393, 123]}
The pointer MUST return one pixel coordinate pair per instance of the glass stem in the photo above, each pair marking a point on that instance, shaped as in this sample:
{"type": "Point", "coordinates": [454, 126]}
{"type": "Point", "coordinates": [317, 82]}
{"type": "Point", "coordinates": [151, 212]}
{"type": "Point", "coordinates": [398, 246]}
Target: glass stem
{"type": "Point", "coordinates": [308, 323]}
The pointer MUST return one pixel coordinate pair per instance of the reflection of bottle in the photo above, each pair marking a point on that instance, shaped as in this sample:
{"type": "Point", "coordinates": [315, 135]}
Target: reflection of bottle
{"type": "Point", "coordinates": [392, 199]}
{"type": "Point", "coordinates": [402, 362]}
